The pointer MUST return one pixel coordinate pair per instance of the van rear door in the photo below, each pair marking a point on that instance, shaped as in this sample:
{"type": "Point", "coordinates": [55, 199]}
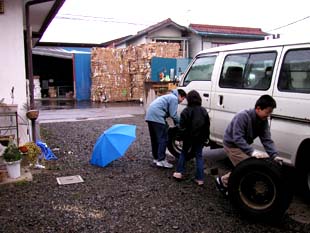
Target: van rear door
{"type": "Point", "coordinates": [291, 119]}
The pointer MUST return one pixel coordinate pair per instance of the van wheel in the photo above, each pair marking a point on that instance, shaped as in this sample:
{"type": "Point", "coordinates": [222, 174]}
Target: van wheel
{"type": "Point", "coordinates": [174, 142]}
{"type": "Point", "coordinates": [304, 184]}
{"type": "Point", "coordinates": [303, 171]}
{"type": "Point", "coordinates": [258, 188]}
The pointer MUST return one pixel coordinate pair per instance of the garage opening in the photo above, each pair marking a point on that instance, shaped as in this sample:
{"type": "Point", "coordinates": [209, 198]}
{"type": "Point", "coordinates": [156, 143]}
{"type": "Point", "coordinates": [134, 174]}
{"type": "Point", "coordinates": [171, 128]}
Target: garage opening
{"type": "Point", "coordinates": [54, 77]}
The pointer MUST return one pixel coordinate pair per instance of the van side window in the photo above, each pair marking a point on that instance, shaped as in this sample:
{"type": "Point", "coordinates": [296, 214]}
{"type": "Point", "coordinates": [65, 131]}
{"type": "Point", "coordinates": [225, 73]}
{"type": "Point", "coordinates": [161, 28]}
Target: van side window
{"type": "Point", "coordinates": [248, 71]}
{"type": "Point", "coordinates": [201, 70]}
{"type": "Point", "coordinates": [295, 72]}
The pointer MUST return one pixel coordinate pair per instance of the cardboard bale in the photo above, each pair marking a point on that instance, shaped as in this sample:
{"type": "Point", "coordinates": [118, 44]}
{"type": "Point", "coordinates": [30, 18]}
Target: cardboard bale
{"type": "Point", "coordinates": [119, 74]}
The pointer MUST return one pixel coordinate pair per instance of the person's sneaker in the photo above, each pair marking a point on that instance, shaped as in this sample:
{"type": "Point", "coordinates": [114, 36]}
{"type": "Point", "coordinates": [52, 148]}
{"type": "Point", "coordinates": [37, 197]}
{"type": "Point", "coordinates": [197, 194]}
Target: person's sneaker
{"type": "Point", "coordinates": [177, 176]}
{"type": "Point", "coordinates": [199, 182]}
{"type": "Point", "coordinates": [220, 186]}
{"type": "Point", "coordinates": [164, 164]}
{"type": "Point", "coordinates": [155, 161]}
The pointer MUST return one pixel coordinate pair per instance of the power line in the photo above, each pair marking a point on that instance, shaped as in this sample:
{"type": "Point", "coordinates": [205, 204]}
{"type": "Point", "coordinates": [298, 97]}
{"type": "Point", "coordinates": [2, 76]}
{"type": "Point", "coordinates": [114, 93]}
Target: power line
{"type": "Point", "coordinates": [297, 21]}
{"type": "Point", "coordinates": [95, 18]}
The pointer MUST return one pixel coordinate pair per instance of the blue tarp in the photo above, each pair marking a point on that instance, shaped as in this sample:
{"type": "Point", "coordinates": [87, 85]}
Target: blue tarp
{"type": "Point", "coordinates": [46, 151]}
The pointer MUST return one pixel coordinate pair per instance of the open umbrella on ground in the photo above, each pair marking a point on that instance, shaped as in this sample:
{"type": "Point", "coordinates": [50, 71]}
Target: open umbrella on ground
{"type": "Point", "coordinates": [112, 144]}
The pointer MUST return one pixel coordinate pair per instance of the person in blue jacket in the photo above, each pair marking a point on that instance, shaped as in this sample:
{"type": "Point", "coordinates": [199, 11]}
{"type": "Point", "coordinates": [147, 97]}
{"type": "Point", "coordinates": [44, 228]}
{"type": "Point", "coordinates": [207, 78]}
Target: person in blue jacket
{"type": "Point", "coordinates": [241, 132]}
{"type": "Point", "coordinates": [156, 115]}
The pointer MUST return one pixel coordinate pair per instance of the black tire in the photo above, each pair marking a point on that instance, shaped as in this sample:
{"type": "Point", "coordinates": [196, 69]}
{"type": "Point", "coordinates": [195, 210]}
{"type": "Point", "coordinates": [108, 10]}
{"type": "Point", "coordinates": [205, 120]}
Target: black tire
{"type": "Point", "coordinates": [303, 171]}
{"type": "Point", "coordinates": [174, 142]}
{"type": "Point", "coordinates": [303, 182]}
{"type": "Point", "coordinates": [259, 189]}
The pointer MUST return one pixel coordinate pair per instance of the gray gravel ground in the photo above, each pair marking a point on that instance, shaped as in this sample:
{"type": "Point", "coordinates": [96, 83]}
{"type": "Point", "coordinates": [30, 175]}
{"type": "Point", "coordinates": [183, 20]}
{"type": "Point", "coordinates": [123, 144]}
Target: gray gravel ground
{"type": "Point", "coordinates": [129, 195]}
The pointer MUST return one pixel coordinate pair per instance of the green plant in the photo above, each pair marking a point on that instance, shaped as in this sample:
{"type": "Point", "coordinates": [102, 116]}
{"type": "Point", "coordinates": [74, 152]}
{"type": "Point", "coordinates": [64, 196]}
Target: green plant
{"type": "Point", "coordinates": [32, 152]}
{"type": "Point", "coordinates": [12, 153]}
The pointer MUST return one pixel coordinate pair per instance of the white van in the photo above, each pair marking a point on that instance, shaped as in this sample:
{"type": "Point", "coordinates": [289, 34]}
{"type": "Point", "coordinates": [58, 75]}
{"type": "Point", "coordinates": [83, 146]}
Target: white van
{"type": "Point", "coordinates": [231, 78]}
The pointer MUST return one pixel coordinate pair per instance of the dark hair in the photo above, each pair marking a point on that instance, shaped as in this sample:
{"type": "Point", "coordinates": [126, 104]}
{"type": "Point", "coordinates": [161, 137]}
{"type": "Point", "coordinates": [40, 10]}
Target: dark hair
{"type": "Point", "coordinates": [265, 101]}
{"type": "Point", "coordinates": [181, 92]}
{"type": "Point", "coordinates": [193, 98]}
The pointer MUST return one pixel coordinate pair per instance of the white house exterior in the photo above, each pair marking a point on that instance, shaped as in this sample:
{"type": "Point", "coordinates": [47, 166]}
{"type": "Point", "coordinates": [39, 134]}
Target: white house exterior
{"type": "Point", "coordinates": [165, 31]}
{"type": "Point", "coordinates": [193, 39]}
{"type": "Point", "coordinates": [12, 58]}
{"type": "Point", "coordinates": [204, 36]}
{"type": "Point", "coordinates": [13, 88]}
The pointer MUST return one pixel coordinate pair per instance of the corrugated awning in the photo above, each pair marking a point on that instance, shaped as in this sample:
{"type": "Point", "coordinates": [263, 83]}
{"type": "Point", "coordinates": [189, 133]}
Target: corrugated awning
{"type": "Point", "coordinates": [52, 52]}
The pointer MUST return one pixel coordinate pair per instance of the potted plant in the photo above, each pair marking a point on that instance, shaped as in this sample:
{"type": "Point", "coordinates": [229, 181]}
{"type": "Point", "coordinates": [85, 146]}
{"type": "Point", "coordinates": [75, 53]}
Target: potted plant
{"type": "Point", "coordinates": [32, 152]}
{"type": "Point", "coordinates": [12, 158]}
{"type": "Point", "coordinates": [32, 114]}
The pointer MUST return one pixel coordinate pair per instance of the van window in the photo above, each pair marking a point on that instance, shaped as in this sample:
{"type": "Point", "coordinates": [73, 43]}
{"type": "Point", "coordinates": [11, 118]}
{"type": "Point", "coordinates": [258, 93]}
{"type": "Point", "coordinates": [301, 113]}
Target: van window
{"type": "Point", "coordinates": [201, 70]}
{"type": "Point", "coordinates": [248, 71]}
{"type": "Point", "coordinates": [295, 72]}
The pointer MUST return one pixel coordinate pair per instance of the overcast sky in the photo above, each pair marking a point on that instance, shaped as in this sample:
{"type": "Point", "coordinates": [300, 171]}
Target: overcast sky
{"type": "Point", "coordinates": [97, 21]}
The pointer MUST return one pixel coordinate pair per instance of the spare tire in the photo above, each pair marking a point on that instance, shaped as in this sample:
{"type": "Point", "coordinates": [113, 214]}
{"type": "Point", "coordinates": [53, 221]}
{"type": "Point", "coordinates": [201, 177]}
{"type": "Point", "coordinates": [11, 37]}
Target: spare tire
{"type": "Point", "coordinates": [259, 189]}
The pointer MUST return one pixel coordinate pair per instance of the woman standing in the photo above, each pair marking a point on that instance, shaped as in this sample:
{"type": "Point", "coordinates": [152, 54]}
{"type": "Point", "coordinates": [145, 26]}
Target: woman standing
{"type": "Point", "coordinates": [195, 128]}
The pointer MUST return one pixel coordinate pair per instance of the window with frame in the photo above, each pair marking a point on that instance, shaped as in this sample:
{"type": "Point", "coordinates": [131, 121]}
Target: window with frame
{"type": "Point", "coordinates": [201, 70]}
{"type": "Point", "coordinates": [248, 71]}
{"type": "Point", "coordinates": [295, 72]}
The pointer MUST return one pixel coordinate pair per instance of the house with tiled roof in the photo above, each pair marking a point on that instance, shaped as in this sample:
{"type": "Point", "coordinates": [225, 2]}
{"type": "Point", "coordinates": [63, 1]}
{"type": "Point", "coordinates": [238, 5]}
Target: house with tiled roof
{"type": "Point", "coordinates": [205, 36]}
{"type": "Point", "coordinates": [164, 31]}
{"type": "Point", "coordinates": [192, 39]}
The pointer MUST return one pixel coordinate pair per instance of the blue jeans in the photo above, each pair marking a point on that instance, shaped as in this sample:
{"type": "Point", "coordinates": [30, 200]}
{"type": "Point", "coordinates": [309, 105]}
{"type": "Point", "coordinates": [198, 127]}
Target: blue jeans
{"type": "Point", "coordinates": [197, 149]}
{"type": "Point", "coordinates": [159, 139]}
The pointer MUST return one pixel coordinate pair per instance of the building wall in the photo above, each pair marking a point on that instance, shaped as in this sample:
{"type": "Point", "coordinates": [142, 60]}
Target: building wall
{"type": "Point", "coordinates": [225, 40]}
{"type": "Point", "coordinates": [195, 45]}
{"type": "Point", "coordinates": [164, 33]}
{"type": "Point", "coordinates": [199, 43]}
{"type": "Point", "coordinates": [167, 32]}
{"type": "Point", "coordinates": [138, 41]}
{"type": "Point", "coordinates": [12, 60]}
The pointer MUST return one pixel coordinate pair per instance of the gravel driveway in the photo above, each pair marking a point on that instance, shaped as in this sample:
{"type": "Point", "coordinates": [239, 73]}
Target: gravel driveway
{"type": "Point", "coordinates": [129, 195]}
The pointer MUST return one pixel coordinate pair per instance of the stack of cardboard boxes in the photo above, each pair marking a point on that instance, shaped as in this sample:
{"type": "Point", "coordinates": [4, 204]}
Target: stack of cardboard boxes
{"type": "Point", "coordinates": [119, 74]}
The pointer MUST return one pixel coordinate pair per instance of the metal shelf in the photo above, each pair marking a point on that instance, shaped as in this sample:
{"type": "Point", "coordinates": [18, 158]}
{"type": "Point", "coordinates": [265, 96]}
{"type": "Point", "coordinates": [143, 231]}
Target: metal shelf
{"type": "Point", "coordinates": [9, 124]}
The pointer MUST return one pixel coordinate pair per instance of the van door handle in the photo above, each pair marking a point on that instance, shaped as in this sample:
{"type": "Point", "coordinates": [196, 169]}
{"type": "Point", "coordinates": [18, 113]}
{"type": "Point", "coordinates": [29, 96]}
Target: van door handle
{"type": "Point", "coordinates": [221, 100]}
{"type": "Point", "coordinates": [205, 94]}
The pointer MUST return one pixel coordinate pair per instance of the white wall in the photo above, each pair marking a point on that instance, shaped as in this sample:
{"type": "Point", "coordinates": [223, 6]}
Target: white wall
{"type": "Point", "coordinates": [167, 32]}
{"type": "Point", "coordinates": [195, 45]}
{"type": "Point", "coordinates": [138, 41]}
{"type": "Point", "coordinates": [12, 59]}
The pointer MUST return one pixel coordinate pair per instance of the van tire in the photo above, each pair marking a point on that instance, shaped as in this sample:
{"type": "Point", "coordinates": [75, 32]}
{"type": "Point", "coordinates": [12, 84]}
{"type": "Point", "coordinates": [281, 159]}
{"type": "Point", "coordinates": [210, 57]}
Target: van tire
{"type": "Point", "coordinates": [303, 170]}
{"type": "Point", "coordinates": [259, 189]}
{"type": "Point", "coordinates": [174, 144]}
{"type": "Point", "coordinates": [303, 181]}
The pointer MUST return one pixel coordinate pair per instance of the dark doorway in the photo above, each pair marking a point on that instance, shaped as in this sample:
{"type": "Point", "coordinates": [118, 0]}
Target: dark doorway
{"type": "Point", "coordinates": [56, 76]}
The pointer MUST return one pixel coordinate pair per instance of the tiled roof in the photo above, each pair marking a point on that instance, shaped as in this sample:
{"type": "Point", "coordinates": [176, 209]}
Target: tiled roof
{"type": "Point", "coordinates": [226, 29]}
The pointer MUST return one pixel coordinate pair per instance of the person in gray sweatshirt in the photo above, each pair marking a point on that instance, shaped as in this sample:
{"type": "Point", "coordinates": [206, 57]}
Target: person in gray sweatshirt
{"type": "Point", "coordinates": [156, 115]}
{"type": "Point", "coordinates": [242, 131]}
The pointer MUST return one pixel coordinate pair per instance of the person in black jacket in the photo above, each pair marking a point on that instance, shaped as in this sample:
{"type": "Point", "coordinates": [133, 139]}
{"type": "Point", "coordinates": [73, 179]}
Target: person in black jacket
{"type": "Point", "coordinates": [195, 128]}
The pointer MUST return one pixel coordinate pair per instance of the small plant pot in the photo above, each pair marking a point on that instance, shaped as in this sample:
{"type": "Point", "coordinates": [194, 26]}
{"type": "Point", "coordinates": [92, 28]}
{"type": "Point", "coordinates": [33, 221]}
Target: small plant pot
{"type": "Point", "coordinates": [32, 114]}
{"type": "Point", "coordinates": [23, 149]}
{"type": "Point", "coordinates": [13, 169]}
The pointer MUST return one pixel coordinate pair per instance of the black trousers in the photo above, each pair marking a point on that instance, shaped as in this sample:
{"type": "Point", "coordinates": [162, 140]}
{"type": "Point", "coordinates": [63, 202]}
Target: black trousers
{"type": "Point", "coordinates": [159, 139]}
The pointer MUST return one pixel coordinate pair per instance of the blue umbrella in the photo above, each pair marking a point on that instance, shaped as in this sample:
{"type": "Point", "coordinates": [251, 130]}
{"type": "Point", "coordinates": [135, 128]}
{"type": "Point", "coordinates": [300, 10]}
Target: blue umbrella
{"type": "Point", "coordinates": [112, 144]}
